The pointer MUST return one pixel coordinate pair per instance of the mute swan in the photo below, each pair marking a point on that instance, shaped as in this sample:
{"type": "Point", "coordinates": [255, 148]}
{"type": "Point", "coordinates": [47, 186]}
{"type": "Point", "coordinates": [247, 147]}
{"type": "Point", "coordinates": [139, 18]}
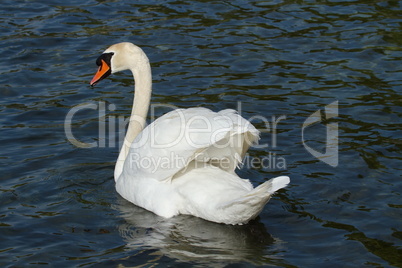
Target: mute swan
{"type": "Point", "coordinates": [183, 162]}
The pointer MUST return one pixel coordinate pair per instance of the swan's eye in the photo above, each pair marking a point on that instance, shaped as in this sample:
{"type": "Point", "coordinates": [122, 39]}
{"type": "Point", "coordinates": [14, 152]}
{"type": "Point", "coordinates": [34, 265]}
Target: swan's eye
{"type": "Point", "coordinates": [106, 57]}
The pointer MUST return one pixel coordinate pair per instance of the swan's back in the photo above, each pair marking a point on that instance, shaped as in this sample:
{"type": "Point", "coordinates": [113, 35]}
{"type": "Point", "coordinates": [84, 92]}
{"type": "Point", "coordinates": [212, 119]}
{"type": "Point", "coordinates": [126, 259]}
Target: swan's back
{"type": "Point", "coordinates": [211, 193]}
{"type": "Point", "coordinates": [184, 162]}
{"type": "Point", "coordinates": [171, 142]}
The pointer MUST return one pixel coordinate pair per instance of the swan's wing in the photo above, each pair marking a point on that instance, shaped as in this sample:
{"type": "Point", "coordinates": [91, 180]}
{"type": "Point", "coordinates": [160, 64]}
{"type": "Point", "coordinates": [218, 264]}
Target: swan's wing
{"type": "Point", "coordinates": [183, 136]}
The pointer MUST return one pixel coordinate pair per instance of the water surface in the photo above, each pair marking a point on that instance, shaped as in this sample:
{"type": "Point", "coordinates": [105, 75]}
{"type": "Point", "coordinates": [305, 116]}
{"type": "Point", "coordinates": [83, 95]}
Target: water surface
{"type": "Point", "coordinates": [270, 60]}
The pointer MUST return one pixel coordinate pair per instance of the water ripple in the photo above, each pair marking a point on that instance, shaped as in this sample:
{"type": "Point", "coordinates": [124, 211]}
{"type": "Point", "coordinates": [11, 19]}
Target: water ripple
{"type": "Point", "coordinates": [278, 58]}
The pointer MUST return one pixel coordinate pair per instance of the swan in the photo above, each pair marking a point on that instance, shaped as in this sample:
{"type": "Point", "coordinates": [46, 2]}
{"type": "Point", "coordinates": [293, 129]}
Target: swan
{"type": "Point", "coordinates": [184, 162]}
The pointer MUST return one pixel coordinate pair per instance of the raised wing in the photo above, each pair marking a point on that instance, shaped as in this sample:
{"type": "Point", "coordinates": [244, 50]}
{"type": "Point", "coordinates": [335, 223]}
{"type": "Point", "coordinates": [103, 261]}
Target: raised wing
{"type": "Point", "coordinates": [185, 138]}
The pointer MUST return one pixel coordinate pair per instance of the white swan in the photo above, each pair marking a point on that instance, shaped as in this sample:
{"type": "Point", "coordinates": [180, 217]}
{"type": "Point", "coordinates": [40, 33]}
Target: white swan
{"type": "Point", "coordinates": [183, 162]}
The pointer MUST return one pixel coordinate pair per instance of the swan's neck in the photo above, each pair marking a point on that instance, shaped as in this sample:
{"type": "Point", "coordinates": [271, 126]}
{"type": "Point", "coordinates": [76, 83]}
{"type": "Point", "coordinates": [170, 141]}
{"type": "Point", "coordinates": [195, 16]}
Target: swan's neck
{"type": "Point", "coordinates": [142, 97]}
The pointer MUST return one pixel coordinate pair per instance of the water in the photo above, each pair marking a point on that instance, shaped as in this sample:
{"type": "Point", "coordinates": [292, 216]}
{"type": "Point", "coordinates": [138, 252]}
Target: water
{"type": "Point", "coordinates": [277, 59]}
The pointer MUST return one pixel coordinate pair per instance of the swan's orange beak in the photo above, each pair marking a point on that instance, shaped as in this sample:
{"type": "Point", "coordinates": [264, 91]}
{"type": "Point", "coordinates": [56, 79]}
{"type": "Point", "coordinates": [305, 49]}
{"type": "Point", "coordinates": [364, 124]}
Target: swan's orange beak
{"type": "Point", "coordinates": [103, 72]}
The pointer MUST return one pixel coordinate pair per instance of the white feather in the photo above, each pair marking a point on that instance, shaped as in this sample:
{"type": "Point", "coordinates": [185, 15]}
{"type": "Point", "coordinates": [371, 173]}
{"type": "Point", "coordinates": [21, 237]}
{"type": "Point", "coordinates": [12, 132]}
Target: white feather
{"type": "Point", "coordinates": [184, 162]}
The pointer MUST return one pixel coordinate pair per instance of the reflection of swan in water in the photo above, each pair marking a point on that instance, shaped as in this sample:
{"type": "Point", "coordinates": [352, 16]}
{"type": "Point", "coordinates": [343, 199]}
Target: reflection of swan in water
{"type": "Point", "coordinates": [188, 238]}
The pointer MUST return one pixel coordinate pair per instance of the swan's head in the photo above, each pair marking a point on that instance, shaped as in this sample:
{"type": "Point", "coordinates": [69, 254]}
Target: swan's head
{"type": "Point", "coordinates": [116, 58]}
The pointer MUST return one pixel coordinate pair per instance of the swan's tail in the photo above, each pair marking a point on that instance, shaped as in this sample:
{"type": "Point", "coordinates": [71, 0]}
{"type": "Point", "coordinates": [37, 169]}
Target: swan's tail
{"type": "Point", "coordinates": [275, 184]}
{"type": "Point", "coordinates": [249, 206]}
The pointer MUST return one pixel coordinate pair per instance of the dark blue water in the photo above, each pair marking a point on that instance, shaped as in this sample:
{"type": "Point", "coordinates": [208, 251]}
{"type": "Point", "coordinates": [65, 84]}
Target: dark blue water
{"type": "Point", "coordinates": [278, 62]}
